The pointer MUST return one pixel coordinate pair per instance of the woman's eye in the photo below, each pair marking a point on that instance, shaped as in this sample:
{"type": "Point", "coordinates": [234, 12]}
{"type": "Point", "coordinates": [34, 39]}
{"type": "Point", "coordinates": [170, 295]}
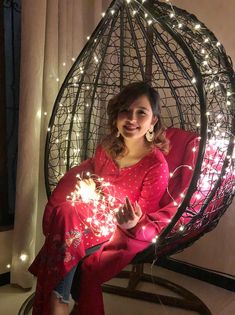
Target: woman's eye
{"type": "Point", "coordinates": [142, 113]}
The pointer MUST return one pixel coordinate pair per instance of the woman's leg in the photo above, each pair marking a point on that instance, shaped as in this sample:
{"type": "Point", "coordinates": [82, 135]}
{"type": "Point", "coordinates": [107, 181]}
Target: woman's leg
{"type": "Point", "coordinates": [60, 296]}
{"type": "Point", "coordinates": [63, 249]}
{"type": "Point", "coordinates": [58, 307]}
{"type": "Point", "coordinates": [102, 266]}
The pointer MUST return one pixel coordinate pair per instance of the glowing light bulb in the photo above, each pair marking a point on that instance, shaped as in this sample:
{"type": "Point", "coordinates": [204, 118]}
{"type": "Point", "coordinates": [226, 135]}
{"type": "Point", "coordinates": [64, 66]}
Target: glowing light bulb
{"type": "Point", "coordinates": [197, 26]}
{"type": "Point", "coordinates": [64, 64]}
{"type": "Point", "coordinates": [23, 257]}
{"type": "Point", "coordinates": [154, 240]}
{"type": "Point", "coordinates": [181, 228]}
{"type": "Point", "coordinates": [45, 113]}
{"type": "Point", "coordinates": [8, 266]}
{"type": "Point", "coordinates": [180, 25]}
{"type": "Point", "coordinates": [150, 22]}
{"type": "Point", "coordinates": [103, 14]}
{"type": "Point", "coordinates": [172, 14]}
{"type": "Point", "coordinates": [57, 79]}
{"type": "Point", "coordinates": [112, 12]}
{"type": "Point", "coordinates": [194, 80]}
{"type": "Point", "coordinates": [73, 59]}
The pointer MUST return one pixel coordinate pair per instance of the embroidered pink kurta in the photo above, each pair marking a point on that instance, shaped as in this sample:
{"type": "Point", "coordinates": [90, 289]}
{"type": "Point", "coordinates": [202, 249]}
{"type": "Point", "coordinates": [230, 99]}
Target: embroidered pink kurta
{"type": "Point", "coordinates": [68, 235]}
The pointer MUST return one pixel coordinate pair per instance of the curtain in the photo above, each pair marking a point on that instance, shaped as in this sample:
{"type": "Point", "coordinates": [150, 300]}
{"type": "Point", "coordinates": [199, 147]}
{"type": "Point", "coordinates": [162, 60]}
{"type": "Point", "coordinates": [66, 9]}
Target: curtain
{"type": "Point", "coordinates": [53, 34]}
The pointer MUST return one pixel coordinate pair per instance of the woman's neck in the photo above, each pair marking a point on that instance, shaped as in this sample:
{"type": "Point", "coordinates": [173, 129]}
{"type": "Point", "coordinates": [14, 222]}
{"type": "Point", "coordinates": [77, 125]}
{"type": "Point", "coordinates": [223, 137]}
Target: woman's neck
{"type": "Point", "coordinates": [136, 150]}
{"type": "Point", "coordinates": [136, 147]}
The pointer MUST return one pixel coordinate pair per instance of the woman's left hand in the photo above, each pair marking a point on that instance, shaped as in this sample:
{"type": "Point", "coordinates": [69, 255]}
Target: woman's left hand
{"type": "Point", "coordinates": [128, 216]}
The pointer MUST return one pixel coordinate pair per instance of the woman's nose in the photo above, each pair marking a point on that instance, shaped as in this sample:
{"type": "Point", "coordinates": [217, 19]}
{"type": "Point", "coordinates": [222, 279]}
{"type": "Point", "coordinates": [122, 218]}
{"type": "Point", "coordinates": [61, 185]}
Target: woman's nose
{"type": "Point", "coordinates": [131, 116]}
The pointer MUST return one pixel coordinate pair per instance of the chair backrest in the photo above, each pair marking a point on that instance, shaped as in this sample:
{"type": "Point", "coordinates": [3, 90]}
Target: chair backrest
{"type": "Point", "coordinates": [195, 221]}
{"type": "Point", "coordinates": [181, 161]}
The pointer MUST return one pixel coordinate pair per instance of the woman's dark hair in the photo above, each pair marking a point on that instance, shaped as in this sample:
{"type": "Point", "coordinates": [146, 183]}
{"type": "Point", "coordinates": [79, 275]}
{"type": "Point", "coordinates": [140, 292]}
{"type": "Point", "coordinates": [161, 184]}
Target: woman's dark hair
{"type": "Point", "coordinates": [116, 146]}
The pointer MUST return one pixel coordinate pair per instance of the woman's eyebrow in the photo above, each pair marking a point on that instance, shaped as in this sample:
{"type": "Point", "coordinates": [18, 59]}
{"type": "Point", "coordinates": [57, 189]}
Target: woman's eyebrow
{"type": "Point", "coordinates": [142, 107]}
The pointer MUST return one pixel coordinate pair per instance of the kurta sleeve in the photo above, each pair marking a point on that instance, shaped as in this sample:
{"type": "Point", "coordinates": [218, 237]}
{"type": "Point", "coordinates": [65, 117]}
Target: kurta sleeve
{"type": "Point", "coordinates": [65, 186]}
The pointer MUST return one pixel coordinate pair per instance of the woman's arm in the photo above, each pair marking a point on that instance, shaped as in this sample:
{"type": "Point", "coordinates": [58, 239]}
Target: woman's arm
{"type": "Point", "coordinates": [64, 188]}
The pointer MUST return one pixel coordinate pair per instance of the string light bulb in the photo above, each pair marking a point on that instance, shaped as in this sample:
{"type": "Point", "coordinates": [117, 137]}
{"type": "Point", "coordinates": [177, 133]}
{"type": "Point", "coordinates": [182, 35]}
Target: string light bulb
{"type": "Point", "coordinates": [23, 257]}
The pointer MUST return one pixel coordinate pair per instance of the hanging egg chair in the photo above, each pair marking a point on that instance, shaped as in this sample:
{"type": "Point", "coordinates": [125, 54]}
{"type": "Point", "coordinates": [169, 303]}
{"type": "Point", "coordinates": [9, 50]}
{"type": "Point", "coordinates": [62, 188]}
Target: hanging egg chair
{"type": "Point", "coordinates": [169, 48]}
{"type": "Point", "coordinates": [182, 59]}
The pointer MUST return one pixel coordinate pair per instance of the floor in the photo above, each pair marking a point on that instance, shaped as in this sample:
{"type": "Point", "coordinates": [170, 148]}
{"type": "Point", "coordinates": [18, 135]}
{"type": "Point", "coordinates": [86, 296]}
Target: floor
{"type": "Point", "coordinates": [219, 301]}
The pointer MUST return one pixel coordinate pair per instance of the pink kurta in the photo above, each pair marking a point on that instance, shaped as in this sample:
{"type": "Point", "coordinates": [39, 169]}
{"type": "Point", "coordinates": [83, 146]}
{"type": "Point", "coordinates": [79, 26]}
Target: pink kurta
{"type": "Point", "coordinates": [67, 233]}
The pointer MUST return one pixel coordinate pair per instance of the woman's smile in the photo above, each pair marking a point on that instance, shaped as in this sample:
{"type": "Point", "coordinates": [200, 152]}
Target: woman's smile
{"type": "Point", "coordinates": [131, 128]}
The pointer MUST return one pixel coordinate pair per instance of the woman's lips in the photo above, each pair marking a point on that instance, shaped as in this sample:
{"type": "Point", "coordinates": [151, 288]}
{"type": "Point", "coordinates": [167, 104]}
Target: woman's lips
{"type": "Point", "coordinates": [130, 128]}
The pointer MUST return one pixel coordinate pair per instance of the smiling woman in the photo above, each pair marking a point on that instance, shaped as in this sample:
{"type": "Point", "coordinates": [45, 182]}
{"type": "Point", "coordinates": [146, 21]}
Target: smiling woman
{"type": "Point", "coordinates": [130, 175]}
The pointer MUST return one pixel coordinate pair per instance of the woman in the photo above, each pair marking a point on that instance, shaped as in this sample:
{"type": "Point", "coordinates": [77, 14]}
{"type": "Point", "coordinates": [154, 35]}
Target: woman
{"type": "Point", "coordinates": [132, 162]}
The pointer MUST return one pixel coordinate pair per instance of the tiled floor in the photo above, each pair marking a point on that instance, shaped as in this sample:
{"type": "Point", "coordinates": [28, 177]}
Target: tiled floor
{"type": "Point", "coordinates": [219, 301]}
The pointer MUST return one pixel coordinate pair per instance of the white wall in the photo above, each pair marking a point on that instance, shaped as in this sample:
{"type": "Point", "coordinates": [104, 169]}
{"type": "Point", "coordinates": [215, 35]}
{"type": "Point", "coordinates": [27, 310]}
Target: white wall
{"type": "Point", "coordinates": [5, 250]}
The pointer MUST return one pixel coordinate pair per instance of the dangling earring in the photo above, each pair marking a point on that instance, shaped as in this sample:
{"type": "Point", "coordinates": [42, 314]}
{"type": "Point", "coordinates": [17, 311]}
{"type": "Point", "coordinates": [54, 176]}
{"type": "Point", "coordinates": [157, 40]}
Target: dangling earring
{"type": "Point", "coordinates": [118, 134]}
{"type": "Point", "coordinates": [150, 134]}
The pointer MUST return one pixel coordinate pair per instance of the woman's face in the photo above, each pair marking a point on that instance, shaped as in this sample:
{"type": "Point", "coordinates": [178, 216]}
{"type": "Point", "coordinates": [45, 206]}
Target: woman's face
{"type": "Point", "coordinates": [134, 121]}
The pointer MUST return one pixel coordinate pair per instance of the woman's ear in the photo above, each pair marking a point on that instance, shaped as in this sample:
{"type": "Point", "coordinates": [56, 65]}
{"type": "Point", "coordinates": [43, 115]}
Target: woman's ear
{"type": "Point", "coordinates": [154, 120]}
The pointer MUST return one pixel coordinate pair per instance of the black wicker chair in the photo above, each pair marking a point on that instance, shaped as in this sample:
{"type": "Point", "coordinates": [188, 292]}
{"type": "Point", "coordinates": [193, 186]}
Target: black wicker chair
{"type": "Point", "coordinates": [177, 54]}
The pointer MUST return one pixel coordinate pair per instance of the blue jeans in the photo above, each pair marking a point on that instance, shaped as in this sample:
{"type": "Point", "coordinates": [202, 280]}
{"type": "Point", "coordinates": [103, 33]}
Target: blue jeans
{"type": "Point", "coordinates": [62, 290]}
